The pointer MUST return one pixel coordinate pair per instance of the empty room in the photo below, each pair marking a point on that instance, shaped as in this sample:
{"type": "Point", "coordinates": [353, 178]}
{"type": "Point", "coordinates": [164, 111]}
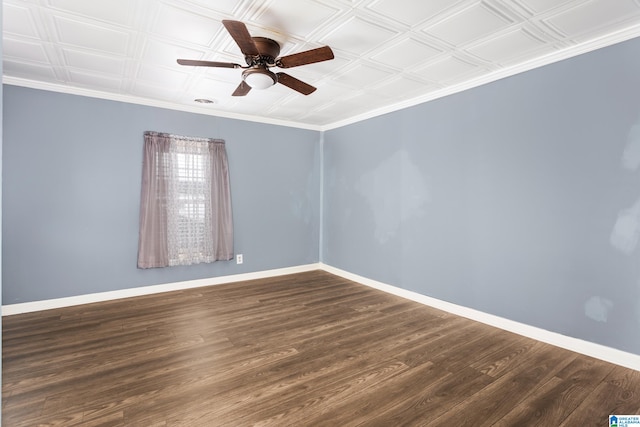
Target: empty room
{"type": "Point", "coordinates": [320, 213]}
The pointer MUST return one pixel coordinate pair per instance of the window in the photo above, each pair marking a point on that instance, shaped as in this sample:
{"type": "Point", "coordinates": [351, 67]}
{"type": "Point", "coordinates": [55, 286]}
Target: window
{"type": "Point", "coordinates": [185, 208]}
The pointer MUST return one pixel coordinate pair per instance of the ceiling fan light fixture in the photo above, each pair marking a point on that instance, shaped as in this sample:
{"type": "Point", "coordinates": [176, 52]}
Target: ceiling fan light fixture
{"type": "Point", "coordinates": [259, 79]}
{"type": "Point", "coordinates": [261, 54]}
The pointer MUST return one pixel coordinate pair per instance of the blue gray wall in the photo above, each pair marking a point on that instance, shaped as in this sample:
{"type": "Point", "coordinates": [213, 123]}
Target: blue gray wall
{"type": "Point", "coordinates": [520, 198]}
{"type": "Point", "coordinates": [72, 170]}
{"type": "Point", "coordinates": [1, 133]}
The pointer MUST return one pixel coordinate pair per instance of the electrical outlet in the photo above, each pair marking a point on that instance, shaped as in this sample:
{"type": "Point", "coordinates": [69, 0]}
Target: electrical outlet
{"type": "Point", "coordinates": [239, 259]}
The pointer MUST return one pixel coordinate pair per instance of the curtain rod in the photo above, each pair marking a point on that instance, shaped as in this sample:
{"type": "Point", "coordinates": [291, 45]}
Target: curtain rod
{"type": "Point", "coordinates": [183, 137]}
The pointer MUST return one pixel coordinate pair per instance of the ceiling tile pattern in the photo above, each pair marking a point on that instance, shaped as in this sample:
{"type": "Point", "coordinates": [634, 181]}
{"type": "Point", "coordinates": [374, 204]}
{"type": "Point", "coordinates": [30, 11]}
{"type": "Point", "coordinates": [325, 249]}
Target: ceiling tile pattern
{"type": "Point", "coordinates": [388, 53]}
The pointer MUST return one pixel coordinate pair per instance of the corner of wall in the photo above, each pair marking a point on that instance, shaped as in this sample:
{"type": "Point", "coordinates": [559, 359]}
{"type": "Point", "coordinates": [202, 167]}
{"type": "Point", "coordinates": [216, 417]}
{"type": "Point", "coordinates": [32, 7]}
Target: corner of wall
{"type": "Point", "coordinates": [321, 202]}
{"type": "Point", "coordinates": [1, 119]}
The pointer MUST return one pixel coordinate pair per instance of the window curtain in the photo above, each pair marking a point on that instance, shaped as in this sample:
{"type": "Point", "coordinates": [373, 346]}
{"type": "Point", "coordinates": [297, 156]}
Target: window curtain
{"type": "Point", "coordinates": [185, 207]}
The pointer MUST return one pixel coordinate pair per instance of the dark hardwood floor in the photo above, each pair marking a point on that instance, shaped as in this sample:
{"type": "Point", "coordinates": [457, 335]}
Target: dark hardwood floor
{"type": "Point", "coordinates": [309, 349]}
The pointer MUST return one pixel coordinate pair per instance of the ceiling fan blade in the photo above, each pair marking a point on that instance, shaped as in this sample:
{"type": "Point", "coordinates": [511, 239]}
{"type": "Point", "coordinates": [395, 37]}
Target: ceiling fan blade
{"type": "Point", "coordinates": [307, 57]}
{"type": "Point", "coordinates": [295, 84]}
{"type": "Point", "coordinates": [197, 63]}
{"type": "Point", "coordinates": [241, 35]}
{"type": "Point", "coordinates": [242, 89]}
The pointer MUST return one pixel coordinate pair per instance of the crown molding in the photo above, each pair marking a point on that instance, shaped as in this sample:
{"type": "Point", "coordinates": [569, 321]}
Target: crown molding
{"type": "Point", "coordinates": [130, 99]}
{"type": "Point", "coordinates": [569, 52]}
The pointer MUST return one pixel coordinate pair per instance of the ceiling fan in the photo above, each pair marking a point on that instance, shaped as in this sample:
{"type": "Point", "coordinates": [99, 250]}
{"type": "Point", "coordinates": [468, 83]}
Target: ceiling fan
{"type": "Point", "coordinates": [261, 53]}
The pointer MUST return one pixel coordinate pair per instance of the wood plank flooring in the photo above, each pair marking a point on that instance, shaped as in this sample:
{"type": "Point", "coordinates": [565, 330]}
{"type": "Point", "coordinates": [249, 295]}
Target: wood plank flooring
{"type": "Point", "coordinates": [310, 349]}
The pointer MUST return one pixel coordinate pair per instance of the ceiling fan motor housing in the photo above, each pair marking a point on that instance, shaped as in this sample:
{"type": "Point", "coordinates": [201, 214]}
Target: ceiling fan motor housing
{"type": "Point", "coordinates": [268, 51]}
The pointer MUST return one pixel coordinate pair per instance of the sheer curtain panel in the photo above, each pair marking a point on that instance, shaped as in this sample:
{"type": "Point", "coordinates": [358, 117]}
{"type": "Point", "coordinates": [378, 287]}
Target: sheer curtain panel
{"type": "Point", "coordinates": [185, 206]}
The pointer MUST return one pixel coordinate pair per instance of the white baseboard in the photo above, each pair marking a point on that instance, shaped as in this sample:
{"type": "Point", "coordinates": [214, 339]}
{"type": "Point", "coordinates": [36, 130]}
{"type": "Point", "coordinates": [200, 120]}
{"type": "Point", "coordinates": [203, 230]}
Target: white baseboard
{"type": "Point", "coordinates": [28, 307]}
{"type": "Point", "coordinates": [608, 354]}
{"type": "Point", "coordinates": [598, 351]}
